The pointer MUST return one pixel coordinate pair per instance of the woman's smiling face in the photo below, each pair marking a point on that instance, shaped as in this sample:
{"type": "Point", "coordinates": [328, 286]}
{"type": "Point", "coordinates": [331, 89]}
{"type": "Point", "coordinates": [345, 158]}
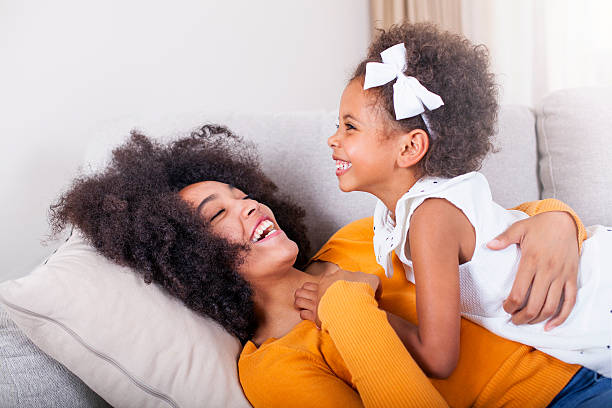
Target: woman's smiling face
{"type": "Point", "coordinates": [234, 216]}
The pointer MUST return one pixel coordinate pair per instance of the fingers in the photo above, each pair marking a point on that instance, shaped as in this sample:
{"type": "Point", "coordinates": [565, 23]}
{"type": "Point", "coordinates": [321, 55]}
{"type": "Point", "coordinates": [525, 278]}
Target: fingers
{"type": "Point", "coordinates": [512, 235]}
{"type": "Point", "coordinates": [570, 288]}
{"type": "Point", "coordinates": [552, 303]}
{"type": "Point", "coordinates": [310, 286]}
{"type": "Point", "coordinates": [303, 303]}
{"type": "Point", "coordinates": [308, 292]}
{"type": "Point", "coordinates": [306, 298]}
{"type": "Point", "coordinates": [537, 297]}
{"type": "Point", "coordinates": [545, 285]}
{"type": "Point", "coordinates": [569, 300]}
{"type": "Point", "coordinates": [307, 315]}
{"type": "Point", "coordinates": [519, 293]}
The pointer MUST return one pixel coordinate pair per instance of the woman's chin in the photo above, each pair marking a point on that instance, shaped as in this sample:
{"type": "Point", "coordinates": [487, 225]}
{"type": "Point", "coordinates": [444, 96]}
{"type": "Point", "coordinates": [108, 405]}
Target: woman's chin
{"type": "Point", "coordinates": [288, 250]}
{"type": "Point", "coordinates": [270, 257]}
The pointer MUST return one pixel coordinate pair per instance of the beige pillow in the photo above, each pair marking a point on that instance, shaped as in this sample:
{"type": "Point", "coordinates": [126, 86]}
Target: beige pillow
{"type": "Point", "coordinates": [130, 342]}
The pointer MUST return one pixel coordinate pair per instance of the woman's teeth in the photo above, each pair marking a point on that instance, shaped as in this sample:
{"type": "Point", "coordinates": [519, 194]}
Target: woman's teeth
{"type": "Point", "coordinates": [343, 165]}
{"type": "Point", "coordinates": [266, 226]}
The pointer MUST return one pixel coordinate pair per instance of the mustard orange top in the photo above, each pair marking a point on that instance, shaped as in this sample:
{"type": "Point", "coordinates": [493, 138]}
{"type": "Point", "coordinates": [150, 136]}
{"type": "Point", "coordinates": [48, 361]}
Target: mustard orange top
{"type": "Point", "coordinates": [357, 360]}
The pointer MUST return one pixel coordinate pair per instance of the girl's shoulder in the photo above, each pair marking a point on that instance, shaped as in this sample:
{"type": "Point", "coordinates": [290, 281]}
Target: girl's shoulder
{"type": "Point", "coordinates": [465, 192]}
{"type": "Point", "coordinates": [468, 192]}
{"type": "Point", "coordinates": [472, 185]}
{"type": "Point", "coordinates": [473, 182]}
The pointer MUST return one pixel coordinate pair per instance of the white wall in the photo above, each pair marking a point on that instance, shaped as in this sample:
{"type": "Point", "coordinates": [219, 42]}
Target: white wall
{"type": "Point", "coordinates": [69, 67]}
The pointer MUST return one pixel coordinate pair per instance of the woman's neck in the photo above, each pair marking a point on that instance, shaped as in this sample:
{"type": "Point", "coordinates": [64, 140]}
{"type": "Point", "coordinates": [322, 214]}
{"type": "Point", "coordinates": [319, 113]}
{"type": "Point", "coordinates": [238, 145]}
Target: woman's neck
{"type": "Point", "coordinates": [274, 303]}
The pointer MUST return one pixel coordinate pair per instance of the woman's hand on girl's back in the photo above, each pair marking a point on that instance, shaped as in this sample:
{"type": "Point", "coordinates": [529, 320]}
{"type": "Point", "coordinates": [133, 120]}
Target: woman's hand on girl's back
{"type": "Point", "coordinates": [545, 283]}
{"type": "Point", "coordinates": [308, 296]}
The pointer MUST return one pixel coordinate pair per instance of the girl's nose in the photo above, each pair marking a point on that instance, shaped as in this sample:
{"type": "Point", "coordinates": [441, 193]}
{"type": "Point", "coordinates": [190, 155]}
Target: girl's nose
{"type": "Point", "coordinates": [333, 140]}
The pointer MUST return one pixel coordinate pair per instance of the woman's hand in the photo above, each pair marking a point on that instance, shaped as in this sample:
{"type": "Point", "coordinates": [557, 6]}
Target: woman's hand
{"type": "Point", "coordinates": [545, 283]}
{"type": "Point", "coordinates": [308, 296]}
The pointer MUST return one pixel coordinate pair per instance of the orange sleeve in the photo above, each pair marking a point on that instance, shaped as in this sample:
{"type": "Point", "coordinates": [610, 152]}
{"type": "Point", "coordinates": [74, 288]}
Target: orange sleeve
{"type": "Point", "coordinates": [551, 204]}
{"type": "Point", "coordinates": [382, 369]}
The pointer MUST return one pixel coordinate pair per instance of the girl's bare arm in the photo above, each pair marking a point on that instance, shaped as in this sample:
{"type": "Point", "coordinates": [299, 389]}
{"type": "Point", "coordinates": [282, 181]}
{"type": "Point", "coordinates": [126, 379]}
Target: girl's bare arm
{"type": "Point", "coordinates": [441, 237]}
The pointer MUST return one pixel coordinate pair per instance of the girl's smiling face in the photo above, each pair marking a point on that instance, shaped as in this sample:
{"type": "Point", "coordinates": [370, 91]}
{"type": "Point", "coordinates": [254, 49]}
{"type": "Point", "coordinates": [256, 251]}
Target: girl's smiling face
{"type": "Point", "coordinates": [235, 216]}
{"type": "Point", "coordinates": [364, 154]}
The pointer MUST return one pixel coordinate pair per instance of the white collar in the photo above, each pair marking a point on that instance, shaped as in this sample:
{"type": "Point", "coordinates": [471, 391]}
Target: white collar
{"type": "Point", "coordinates": [389, 234]}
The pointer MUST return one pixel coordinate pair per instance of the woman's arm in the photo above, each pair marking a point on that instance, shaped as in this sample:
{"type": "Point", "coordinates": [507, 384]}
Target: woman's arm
{"type": "Point", "coordinates": [556, 207]}
{"type": "Point", "coordinates": [549, 242]}
{"type": "Point", "coordinates": [548, 270]}
{"type": "Point", "coordinates": [383, 371]}
{"type": "Point", "coordinates": [381, 368]}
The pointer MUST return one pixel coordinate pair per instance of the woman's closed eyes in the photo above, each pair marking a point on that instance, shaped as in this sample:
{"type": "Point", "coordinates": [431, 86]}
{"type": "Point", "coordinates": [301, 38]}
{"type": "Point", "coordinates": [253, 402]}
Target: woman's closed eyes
{"type": "Point", "coordinates": [246, 197]}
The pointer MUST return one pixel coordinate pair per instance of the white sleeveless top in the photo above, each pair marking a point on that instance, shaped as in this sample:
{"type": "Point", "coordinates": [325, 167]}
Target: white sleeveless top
{"type": "Point", "coordinates": [486, 280]}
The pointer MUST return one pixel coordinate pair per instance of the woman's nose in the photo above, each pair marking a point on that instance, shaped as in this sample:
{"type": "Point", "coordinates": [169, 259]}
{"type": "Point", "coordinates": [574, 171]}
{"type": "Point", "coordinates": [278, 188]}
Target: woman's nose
{"type": "Point", "coordinates": [249, 208]}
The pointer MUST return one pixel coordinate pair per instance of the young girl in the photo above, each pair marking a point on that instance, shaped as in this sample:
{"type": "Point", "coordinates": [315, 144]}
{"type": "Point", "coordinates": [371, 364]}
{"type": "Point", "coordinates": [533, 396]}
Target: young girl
{"type": "Point", "coordinates": [415, 123]}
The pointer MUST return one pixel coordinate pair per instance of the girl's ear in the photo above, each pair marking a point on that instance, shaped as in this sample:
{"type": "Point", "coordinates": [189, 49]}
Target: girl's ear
{"type": "Point", "coordinates": [413, 146]}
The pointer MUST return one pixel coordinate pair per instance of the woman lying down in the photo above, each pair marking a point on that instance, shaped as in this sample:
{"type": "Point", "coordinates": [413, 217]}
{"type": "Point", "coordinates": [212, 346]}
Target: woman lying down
{"type": "Point", "coordinates": [200, 218]}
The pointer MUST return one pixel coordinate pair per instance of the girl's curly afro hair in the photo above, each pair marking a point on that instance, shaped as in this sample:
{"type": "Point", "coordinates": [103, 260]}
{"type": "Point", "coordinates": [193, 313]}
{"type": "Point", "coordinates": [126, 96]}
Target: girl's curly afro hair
{"type": "Point", "coordinates": [452, 67]}
{"type": "Point", "coordinates": [131, 213]}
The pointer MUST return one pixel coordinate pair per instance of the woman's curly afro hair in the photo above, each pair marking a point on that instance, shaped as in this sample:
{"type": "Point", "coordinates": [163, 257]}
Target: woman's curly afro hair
{"type": "Point", "coordinates": [131, 213]}
{"type": "Point", "coordinates": [452, 67]}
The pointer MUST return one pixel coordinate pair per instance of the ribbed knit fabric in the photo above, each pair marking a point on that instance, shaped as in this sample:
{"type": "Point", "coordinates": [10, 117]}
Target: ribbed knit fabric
{"type": "Point", "coordinates": [317, 368]}
{"type": "Point", "coordinates": [551, 204]}
{"type": "Point", "coordinates": [309, 367]}
{"type": "Point", "coordinates": [395, 380]}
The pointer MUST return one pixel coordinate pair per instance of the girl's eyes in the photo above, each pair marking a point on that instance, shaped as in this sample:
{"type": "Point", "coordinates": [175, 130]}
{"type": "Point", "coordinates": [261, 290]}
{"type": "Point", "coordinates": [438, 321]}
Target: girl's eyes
{"type": "Point", "coordinates": [347, 125]}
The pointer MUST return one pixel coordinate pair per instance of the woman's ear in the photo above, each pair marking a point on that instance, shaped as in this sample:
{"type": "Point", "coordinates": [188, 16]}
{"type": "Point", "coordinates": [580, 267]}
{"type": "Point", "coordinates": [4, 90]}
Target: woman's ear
{"type": "Point", "coordinates": [413, 146]}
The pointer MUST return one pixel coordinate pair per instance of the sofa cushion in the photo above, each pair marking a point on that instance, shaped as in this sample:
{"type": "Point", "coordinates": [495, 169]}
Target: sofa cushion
{"type": "Point", "coordinates": [131, 343]}
{"type": "Point", "coordinates": [31, 379]}
{"type": "Point", "coordinates": [575, 145]}
{"type": "Point", "coordinates": [512, 169]}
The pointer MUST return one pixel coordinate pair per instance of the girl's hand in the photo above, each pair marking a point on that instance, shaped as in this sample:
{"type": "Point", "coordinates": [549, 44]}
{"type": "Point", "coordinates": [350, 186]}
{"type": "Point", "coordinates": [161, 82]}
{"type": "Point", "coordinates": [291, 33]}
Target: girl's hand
{"type": "Point", "coordinates": [308, 296]}
{"type": "Point", "coordinates": [545, 283]}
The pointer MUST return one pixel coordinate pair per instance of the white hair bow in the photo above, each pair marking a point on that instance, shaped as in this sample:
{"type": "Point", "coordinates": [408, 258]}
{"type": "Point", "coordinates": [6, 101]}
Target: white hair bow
{"type": "Point", "coordinates": [409, 97]}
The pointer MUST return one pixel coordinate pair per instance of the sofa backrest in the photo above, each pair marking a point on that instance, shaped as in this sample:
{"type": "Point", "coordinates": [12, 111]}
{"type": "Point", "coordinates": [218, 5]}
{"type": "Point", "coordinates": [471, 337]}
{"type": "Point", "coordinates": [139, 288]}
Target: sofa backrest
{"type": "Point", "coordinates": [575, 151]}
{"type": "Point", "coordinates": [294, 153]}
{"type": "Point", "coordinates": [573, 141]}
{"type": "Point", "coordinates": [512, 170]}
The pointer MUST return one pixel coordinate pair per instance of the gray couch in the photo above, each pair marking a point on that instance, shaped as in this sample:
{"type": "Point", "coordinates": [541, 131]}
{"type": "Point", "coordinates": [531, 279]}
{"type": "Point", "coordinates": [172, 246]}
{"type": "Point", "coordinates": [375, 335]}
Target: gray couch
{"type": "Point", "coordinates": [561, 150]}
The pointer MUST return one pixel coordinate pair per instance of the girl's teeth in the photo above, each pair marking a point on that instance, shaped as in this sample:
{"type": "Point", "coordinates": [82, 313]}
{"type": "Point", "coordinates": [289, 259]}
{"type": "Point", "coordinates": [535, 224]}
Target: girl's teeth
{"type": "Point", "coordinates": [343, 165]}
